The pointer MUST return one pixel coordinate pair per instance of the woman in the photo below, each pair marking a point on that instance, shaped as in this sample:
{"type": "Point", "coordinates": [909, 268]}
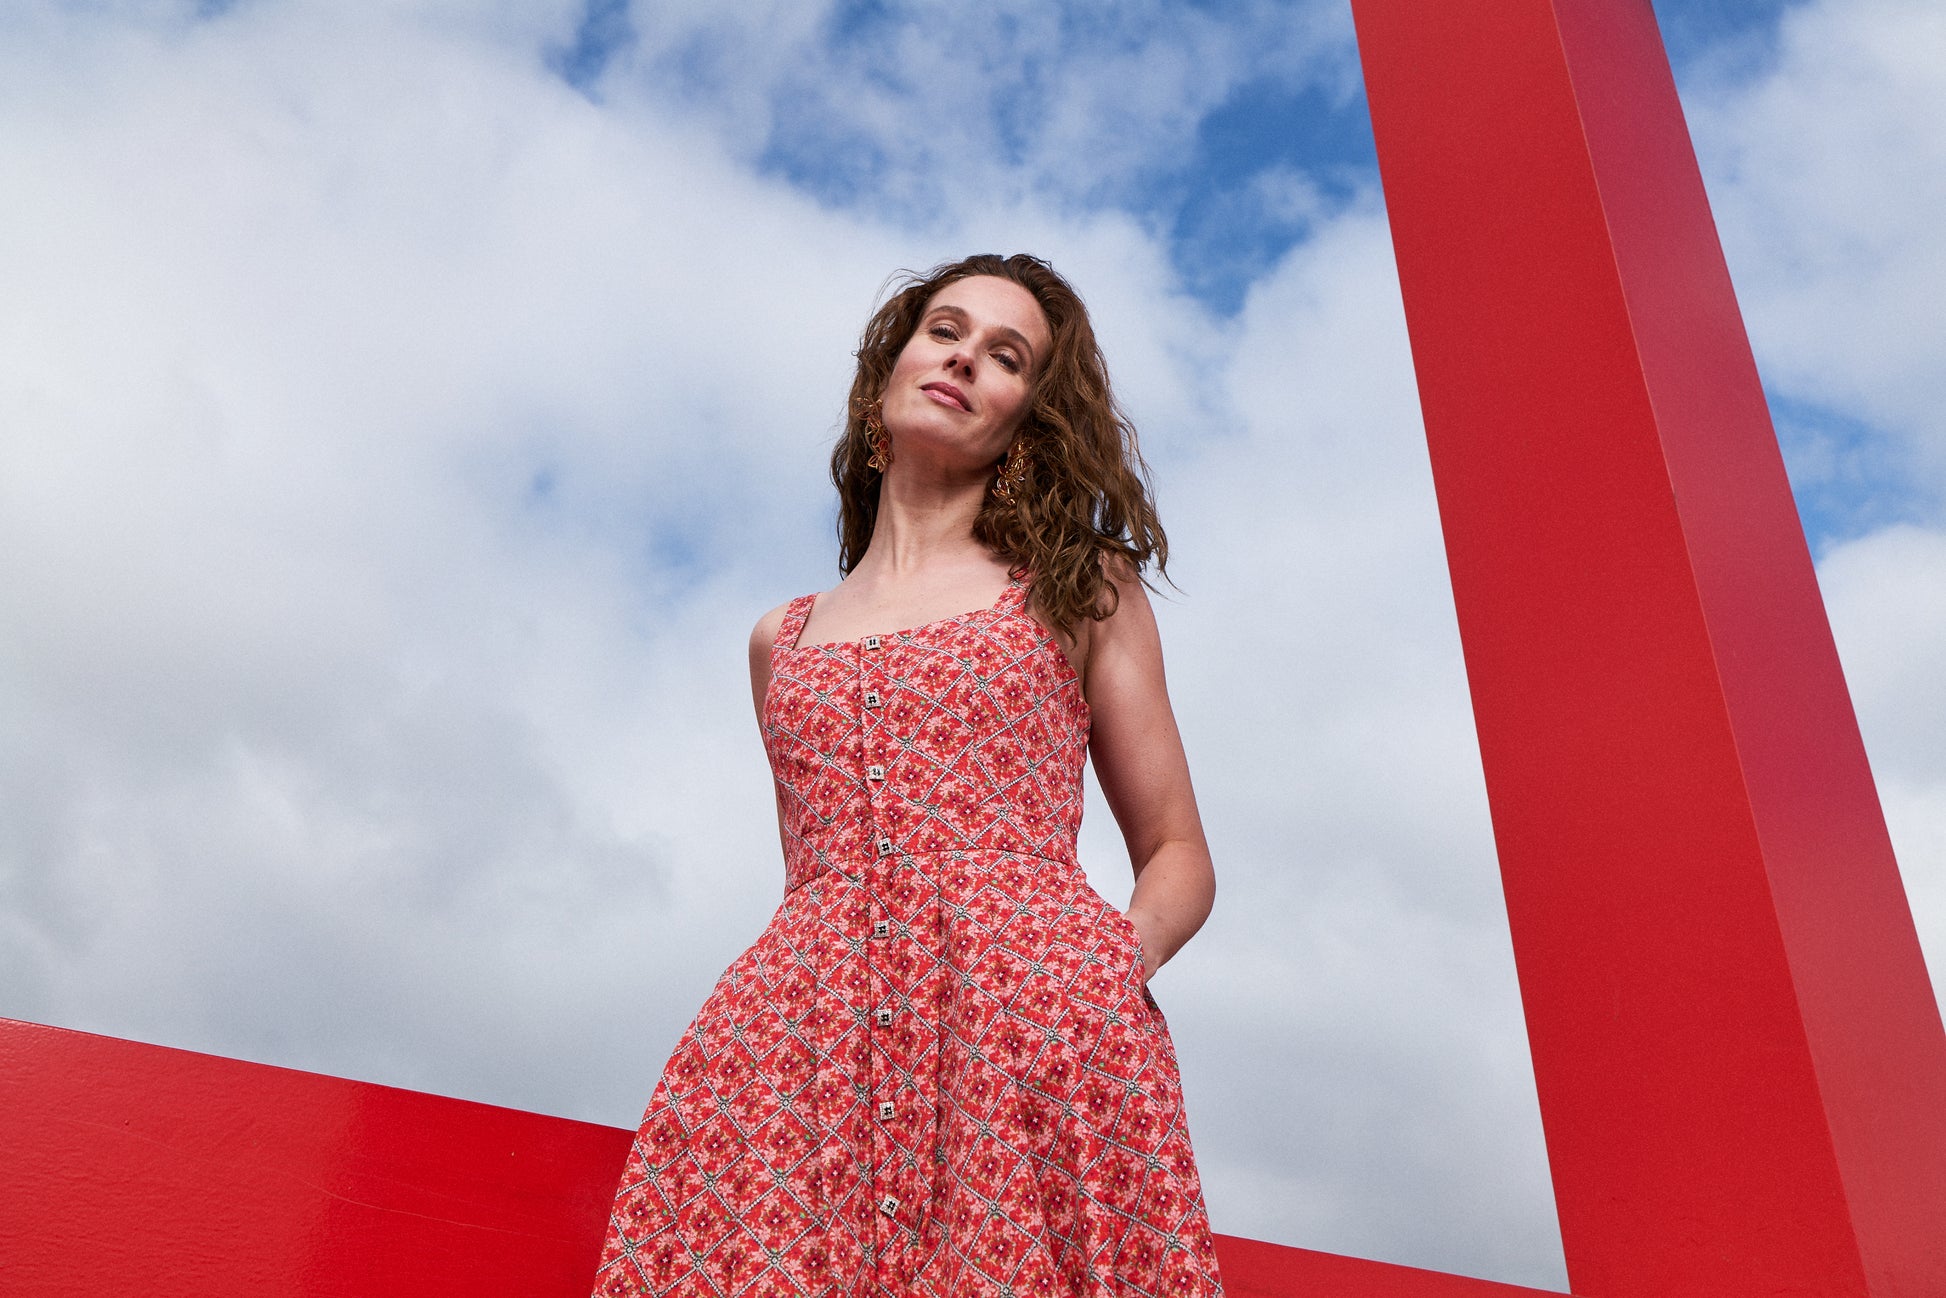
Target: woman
{"type": "Point", "coordinates": [939, 1070]}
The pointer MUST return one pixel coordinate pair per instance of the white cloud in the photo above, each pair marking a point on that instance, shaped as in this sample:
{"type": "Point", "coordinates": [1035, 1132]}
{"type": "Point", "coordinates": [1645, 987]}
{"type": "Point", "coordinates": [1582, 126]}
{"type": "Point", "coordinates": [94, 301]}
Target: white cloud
{"type": "Point", "coordinates": [315, 701]}
{"type": "Point", "coordinates": [405, 444]}
{"type": "Point", "coordinates": [938, 107]}
{"type": "Point", "coordinates": [1827, 175]}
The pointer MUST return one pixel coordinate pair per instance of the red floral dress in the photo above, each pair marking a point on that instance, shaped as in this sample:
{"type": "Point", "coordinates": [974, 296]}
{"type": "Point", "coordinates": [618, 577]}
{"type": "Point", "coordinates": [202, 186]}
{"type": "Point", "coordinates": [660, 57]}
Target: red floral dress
{"type": "Point", "coordinates": [937, 1072]}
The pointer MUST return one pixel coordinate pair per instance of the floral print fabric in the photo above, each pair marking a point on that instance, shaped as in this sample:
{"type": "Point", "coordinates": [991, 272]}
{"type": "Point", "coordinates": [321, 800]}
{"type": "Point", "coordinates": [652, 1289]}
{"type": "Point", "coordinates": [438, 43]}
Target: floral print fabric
{"type": "Point", "coordinates": [937, 1071]}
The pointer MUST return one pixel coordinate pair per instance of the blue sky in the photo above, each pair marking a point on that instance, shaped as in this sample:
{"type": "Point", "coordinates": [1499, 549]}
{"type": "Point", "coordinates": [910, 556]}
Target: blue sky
{"type": "Point", "coordinates": [1287, 143]}
{"type": "Point", "coordinates": [1222, 233]}
{"type": "Point", "coordinates": [413, 404]}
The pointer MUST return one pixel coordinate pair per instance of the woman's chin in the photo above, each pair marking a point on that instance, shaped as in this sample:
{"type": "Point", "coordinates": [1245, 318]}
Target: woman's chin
{"type": "Point", "coordinates": [947, 449]}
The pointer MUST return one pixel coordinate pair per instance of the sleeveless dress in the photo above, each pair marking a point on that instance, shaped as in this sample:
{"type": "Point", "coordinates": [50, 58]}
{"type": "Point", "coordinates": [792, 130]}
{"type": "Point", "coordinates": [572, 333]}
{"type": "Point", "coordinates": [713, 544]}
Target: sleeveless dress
{"type": "Point", "coordinates": [937, 1071]}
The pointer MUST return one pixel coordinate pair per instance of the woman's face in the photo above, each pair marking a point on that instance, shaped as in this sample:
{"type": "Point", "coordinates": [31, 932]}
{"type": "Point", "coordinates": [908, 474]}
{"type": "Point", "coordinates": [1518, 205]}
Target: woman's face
{"type": "Point", "coordinates": [964, 381]}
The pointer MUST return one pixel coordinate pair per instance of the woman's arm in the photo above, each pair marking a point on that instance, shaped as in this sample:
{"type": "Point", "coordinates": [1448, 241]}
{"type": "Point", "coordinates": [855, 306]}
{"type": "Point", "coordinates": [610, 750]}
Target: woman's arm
{"type": "Point", "coordinates": [762, 637]}
{"type": "Point", "coordinates": [1139, 760]}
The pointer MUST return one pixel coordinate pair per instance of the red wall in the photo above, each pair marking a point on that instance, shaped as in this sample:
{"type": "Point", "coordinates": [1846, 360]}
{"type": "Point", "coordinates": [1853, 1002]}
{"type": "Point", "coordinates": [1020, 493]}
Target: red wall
{"type": "Point", "coordinates": [136, 1168]}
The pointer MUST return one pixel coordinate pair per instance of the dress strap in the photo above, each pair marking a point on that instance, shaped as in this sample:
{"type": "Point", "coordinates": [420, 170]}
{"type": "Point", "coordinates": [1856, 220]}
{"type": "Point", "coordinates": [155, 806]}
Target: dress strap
{"type": "Point", "coordinates": [795, 615]}
{"type": "Point", "coordinates": [1014, 598]}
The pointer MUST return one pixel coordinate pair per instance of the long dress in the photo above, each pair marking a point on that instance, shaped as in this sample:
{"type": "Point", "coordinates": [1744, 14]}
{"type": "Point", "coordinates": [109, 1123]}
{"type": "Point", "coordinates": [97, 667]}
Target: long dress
{"type": "Point", "coordinates": [937, 1071]}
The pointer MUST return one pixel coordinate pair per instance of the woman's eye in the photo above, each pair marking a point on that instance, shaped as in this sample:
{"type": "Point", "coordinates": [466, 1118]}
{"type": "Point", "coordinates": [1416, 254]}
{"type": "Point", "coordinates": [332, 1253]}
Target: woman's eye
{"type": "Point", "coordinates": [1007, 362]}
{"type": "Point", "coordinates": [944, 332]}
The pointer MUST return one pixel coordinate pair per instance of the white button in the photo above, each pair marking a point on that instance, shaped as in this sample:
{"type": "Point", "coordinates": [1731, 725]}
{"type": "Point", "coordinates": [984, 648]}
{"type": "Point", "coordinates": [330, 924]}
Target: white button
{"type": "Point", "coordinates": [885, 847]}
{"type": "Point", "coordinates": [886, 1109]}
{"type": "Point", "coordinates": [885, 1017]}
{"type": "Point", "coordinates": [871, 642]}
{"type": "Point", "coordinates": [883, 928]}
{"type": "Point", "coordinates": [888, 1205]}
{"type": "Point", "coordinates": [874, 772]}
{"type": "Point", "coordinates": [871, 698]}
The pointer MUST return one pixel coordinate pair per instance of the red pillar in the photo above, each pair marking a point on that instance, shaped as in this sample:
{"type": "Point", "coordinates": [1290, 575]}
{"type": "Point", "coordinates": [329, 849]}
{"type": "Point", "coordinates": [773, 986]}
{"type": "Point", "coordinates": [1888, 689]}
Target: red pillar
{"type": "Point", "coordinates": [1741, 1069]}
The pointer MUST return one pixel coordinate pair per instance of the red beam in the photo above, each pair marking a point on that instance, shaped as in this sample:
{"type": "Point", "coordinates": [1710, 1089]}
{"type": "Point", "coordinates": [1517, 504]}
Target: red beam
{"type": "Point", "coordinates": [1741, 1069]}
{"type": "Point", "coordinates": [187, 1176]}
{"type": "Point", "coordinates": [132, 1168]}
{"type": "Point", "coordinates": [1256, 1270]}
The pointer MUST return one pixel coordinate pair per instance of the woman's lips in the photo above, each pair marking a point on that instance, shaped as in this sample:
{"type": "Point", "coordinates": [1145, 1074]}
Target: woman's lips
{"type": "Point", "coordinates": [946, 395]}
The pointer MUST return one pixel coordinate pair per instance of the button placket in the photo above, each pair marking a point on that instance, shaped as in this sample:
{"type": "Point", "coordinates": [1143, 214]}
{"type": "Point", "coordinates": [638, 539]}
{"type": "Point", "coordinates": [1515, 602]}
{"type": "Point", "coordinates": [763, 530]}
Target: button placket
{"type": "Point", "coordinates": [871, 735]}
{"type": "Point", "coordinates": [878, 1064]}
{"type": "Point", "coordinates": [890, 1031]}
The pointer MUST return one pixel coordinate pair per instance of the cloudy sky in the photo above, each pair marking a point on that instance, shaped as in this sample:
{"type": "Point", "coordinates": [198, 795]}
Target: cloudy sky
{"type": "Point", "coordinates": [406, 407]}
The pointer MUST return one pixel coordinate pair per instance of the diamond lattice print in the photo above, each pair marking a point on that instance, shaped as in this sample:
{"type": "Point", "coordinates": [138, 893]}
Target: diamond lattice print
{"type": "Point", "coordinates": [937, 1071]}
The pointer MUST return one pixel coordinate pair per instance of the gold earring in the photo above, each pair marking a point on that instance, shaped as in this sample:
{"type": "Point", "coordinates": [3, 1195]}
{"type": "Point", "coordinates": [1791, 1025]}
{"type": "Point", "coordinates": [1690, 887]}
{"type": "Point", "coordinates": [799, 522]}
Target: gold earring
{"type": "Point", "coordinates": [1013, 472]}
{"type": "Point", "coordinates": [877, 438]}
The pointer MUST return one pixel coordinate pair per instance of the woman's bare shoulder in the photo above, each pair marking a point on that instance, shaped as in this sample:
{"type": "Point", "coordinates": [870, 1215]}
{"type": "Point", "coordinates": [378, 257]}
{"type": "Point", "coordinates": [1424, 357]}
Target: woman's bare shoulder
{"type": "Point", "coordinates": [770, 624]}
{"type": "Point", "coordinates": [1127, 611]}
{"type": "Point", "coordinates": [1131, 598]}
{"type": "Point", "coordinates": [762, 637]}
{"type": "Point", "coordinates": [764, 634]}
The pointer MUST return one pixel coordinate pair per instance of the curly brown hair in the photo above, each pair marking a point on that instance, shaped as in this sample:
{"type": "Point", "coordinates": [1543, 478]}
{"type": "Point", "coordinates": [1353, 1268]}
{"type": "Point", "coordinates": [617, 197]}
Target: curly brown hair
{"type": "Point", "coordinates": [1086, 494]}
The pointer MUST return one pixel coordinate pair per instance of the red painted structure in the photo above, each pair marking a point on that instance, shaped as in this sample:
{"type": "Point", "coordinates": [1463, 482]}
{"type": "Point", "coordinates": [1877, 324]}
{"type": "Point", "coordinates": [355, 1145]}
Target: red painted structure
{"type": "Point", "coordinates": [133, 1168]}
{"type": "Point", "coordinates": [136, 1168]}
{"type": "Point", "coordinates": [1741, 1067]}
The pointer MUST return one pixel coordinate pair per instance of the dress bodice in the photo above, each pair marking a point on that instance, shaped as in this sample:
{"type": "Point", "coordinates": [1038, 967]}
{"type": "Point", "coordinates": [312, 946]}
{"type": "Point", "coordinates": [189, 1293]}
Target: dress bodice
{"type": "Point", "coordinates": [969, 732]}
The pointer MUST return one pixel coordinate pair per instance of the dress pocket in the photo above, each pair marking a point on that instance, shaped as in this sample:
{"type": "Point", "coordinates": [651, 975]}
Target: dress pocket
{"type": "Point", "coordinates": [1133, 967]}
